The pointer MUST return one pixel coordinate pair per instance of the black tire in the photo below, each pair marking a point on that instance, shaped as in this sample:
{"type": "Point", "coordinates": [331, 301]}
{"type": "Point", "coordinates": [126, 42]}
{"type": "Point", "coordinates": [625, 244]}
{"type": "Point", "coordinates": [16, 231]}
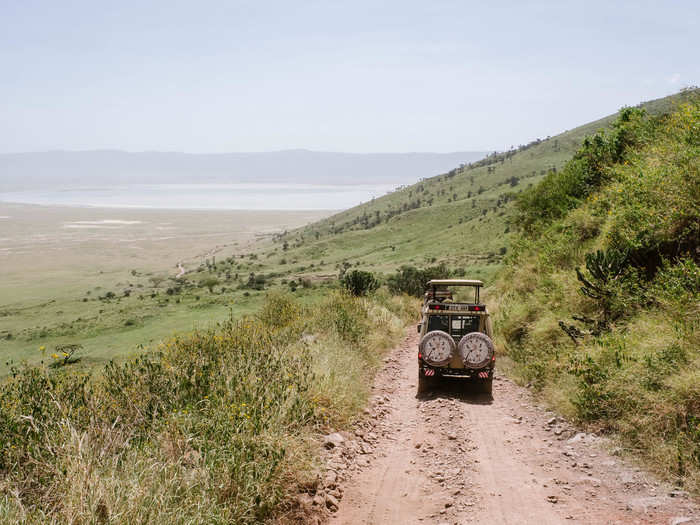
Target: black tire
{"type": "Point", "coordinates": [484, 386]}
{"type": "Point", "coordinates": [424, 383]}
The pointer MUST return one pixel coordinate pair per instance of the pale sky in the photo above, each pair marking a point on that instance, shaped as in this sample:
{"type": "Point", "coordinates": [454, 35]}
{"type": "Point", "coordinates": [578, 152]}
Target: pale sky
{"type": "Point", "coordinates": [356, 76]}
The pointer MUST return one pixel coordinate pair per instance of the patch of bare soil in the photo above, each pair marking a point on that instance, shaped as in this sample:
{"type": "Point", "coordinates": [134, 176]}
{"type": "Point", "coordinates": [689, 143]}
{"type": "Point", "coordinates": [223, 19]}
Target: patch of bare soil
{"type": "Point", "coordinates": [453, 457]}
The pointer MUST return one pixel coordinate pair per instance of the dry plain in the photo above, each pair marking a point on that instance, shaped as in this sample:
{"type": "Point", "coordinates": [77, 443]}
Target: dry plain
{"type": "Point", "coordinates": [55, 262]}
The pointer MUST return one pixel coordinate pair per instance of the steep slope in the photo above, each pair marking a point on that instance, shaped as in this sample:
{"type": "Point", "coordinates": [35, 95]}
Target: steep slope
{"type": "Point", "coordinates": [460, 217]}
{"type": "Point", "coordinates": [599, 301]}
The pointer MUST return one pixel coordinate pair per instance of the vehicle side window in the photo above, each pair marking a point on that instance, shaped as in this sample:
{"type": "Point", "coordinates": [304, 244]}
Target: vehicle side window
{"type": "Point", "coordinates": [438, 322]}
{"type": "Point", "coordinates": [464, 324]}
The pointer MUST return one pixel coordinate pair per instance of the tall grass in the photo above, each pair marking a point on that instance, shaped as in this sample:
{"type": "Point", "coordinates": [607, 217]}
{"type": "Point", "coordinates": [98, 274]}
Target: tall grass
{"type": "Point", "coordinates": [629, 363]}
{"type": "Point", "coordinates": [212, 427]}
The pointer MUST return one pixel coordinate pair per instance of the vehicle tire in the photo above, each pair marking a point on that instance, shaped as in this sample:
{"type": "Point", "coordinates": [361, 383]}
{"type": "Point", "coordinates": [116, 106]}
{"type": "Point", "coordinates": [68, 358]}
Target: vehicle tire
{"type": "Point", "coordinates": [424, 383]}
{"type": "Point", "coordinates": [481, 345]}
{"type": "Point", "coordinates": [438, 355]}
{"type": "Point", "coordinates": [484, 386]}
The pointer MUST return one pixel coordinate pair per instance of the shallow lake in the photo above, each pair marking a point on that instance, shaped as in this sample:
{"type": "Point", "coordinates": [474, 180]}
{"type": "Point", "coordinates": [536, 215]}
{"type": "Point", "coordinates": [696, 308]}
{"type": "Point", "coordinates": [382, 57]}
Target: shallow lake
{"type": "Point", "coordinates": [207, 196]}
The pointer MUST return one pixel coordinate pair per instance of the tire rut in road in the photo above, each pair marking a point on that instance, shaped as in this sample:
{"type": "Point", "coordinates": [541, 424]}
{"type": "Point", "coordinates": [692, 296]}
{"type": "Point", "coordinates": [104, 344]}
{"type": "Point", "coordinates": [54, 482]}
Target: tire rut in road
{"type": "Point", "coordinates": [452, 457]}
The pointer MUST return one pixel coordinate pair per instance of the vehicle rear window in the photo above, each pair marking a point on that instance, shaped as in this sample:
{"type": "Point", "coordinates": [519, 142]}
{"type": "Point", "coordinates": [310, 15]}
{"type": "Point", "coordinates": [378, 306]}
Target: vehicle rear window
{"type": "Point", "coordinates": [439, 322]}
{"type": "Point", "coordinates": [463, 324]}
{"type": "Point", "coordinates": [455, 325]}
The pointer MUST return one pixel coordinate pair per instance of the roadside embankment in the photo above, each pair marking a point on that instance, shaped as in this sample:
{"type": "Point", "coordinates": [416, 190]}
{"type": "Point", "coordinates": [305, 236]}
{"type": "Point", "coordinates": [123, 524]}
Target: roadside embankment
{"type": "Point", "coordinates": [214, 426]}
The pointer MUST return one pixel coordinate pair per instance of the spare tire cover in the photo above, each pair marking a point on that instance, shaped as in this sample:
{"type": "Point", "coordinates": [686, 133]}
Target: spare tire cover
{"type": "Point", "coordinates": [437, 348]}
{"type": "Point", "coordinates": [476, 350]}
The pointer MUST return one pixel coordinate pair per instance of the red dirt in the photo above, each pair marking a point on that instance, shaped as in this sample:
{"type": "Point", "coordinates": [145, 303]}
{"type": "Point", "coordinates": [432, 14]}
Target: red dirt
{"type": "Point", "coordinates": [453, 457]}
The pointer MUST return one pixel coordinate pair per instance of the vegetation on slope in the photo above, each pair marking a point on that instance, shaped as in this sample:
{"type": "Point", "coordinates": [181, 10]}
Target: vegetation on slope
{"type": "Point", "coordinates": [600, 298]}
{"type": "Point", "coordinates": [213, 428]}
{"type": "Point", "coordinates": [460, 218]}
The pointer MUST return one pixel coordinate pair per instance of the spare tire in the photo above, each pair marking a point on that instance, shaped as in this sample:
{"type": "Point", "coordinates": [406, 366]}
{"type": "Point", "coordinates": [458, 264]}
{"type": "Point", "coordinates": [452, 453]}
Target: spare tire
{"type": "Point", "coordinates": [437, 348]}
{"type": "Point", "coordinates": [476, 350]}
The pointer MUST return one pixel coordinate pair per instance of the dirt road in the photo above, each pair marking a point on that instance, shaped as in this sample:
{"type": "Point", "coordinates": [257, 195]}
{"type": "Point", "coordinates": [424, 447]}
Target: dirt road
{"type": "Point", "coordinates": [455, 458]}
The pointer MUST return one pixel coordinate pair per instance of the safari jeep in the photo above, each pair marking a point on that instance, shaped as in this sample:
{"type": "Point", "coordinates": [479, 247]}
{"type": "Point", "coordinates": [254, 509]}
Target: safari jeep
{"type": "Point", "coordinates": [456, 336]}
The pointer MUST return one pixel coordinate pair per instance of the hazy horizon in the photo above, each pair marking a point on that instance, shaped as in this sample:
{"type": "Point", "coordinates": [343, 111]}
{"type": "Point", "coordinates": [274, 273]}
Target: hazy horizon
{"type": "Point", "coordinates": [66, 169]}
{"type": "Point", "coordinates": [258, 152]}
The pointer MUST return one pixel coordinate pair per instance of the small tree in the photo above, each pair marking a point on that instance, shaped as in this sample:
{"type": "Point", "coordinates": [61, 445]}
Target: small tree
{"type": "Point", "coordinates": [359, 282]}
{"type": "Point", "coordinates": [209, 283]}
{"type": "Point", "coordinates": [411, 280]}
{"type": "Point", "coordinates": [156, 280]}
{"type": "Point", "coordinates": [65, 355]}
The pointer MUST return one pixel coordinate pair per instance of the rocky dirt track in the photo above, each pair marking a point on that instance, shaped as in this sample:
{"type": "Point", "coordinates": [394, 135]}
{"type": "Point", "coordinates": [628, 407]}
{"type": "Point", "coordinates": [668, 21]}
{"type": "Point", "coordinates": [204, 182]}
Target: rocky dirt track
{"type": "Point", "coordinates": [452, 457]}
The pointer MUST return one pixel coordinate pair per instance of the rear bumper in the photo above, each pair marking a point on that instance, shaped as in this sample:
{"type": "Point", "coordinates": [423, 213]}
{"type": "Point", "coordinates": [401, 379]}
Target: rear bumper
{"type": "Point", "coordinates": [482, 374]}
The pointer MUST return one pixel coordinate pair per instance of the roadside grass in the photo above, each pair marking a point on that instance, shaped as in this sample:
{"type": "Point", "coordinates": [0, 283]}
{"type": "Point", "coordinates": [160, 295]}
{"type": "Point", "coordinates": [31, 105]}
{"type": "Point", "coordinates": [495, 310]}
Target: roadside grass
{"type": "Point", "coordinates": [623, 358]}
{"type": "Point", "coordinates": [215, 428]}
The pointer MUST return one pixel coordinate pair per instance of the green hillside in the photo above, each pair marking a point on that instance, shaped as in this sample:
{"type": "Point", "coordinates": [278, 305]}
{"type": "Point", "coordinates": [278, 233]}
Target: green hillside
{"type": "Point", "coordinates": [598, 303]}
{"type": "Point", "coordinates": [460, 217]}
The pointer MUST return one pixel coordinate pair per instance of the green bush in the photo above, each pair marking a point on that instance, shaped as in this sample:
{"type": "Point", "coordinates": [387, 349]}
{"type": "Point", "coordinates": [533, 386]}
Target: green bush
{"type": "Point", "coordinates": [561, 191]}
{"type": "Point", "coordinates": [346, 316]}
{"type": "Point", "coordinates": [411, 280]}
{"type": "Point", "coordinates": [359, 282]}
{"type": "Point", "coordinates": [209, 283]}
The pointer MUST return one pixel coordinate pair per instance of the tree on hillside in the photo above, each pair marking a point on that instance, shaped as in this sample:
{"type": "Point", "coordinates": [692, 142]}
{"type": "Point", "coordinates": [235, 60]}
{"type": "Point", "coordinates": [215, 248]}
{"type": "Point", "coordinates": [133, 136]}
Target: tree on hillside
{"type": "Point", "coordinates": [359, 282]}
{"type": "Point", "coordinates": [209, 283]}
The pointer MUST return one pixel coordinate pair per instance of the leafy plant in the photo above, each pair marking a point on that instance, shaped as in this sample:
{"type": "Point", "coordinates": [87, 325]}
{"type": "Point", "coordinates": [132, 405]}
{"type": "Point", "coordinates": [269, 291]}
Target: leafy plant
{"type": "Point", "coordinates": [65, 355]}
{"type": "Point", "coordinates": [604, 269]}
{"type": "Point", "coordinates": [359, 282]}
{"type": "Point", "coordinates": [209, 283]}
{"type": "Point", "coordinates": [411, 280]}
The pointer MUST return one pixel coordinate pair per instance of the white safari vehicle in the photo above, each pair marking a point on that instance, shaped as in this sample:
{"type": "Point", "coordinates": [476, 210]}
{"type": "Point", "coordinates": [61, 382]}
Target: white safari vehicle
{"type": "Point", "coordinates": [456, 337]}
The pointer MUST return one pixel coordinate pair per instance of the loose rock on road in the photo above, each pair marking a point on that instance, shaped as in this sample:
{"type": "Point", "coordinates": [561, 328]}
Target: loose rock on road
{"type": "Point", "coordinates": [453, 457]}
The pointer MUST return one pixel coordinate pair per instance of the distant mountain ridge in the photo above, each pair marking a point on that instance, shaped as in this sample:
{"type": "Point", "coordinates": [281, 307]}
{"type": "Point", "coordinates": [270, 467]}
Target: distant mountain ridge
{"type": "Point", "coordinates": [62, 169]}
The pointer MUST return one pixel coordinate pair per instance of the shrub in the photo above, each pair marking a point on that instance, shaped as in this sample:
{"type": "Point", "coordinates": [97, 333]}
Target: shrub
{"type": "Point", "coordinates": [346, 316]}
{"type": "Point", "coordinates": [561, 191]}
{"type": "Point", "coordinates": [279, 310]}
{"type": "Point", "coordinates": [604, 268]}
{"type": "Point", "coordinates": [65, 355]}
{"type": "Point", "coordinates": [256, 282]}
{"type": "Point", "coordinates": [411, 280]}
{"type": "Point", "coordinates": [209, 283]}
{"type": "Point", "coordinates": [359, 282]}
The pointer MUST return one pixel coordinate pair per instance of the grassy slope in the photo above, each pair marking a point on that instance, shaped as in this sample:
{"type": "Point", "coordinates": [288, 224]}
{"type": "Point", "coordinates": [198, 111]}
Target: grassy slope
{"type": "Point", "coordinates": [217, 428]}
{"type": "Point", "coordinates": [639, 376]}
{"type": "Point", "coordinates": [465, 232]}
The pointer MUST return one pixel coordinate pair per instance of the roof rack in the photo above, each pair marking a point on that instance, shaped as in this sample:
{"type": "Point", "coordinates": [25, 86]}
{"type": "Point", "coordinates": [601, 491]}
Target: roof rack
{"type": "Point", "coordinates": [433, 284]}
{"type": "Point", "coordinates": [455, 282]}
